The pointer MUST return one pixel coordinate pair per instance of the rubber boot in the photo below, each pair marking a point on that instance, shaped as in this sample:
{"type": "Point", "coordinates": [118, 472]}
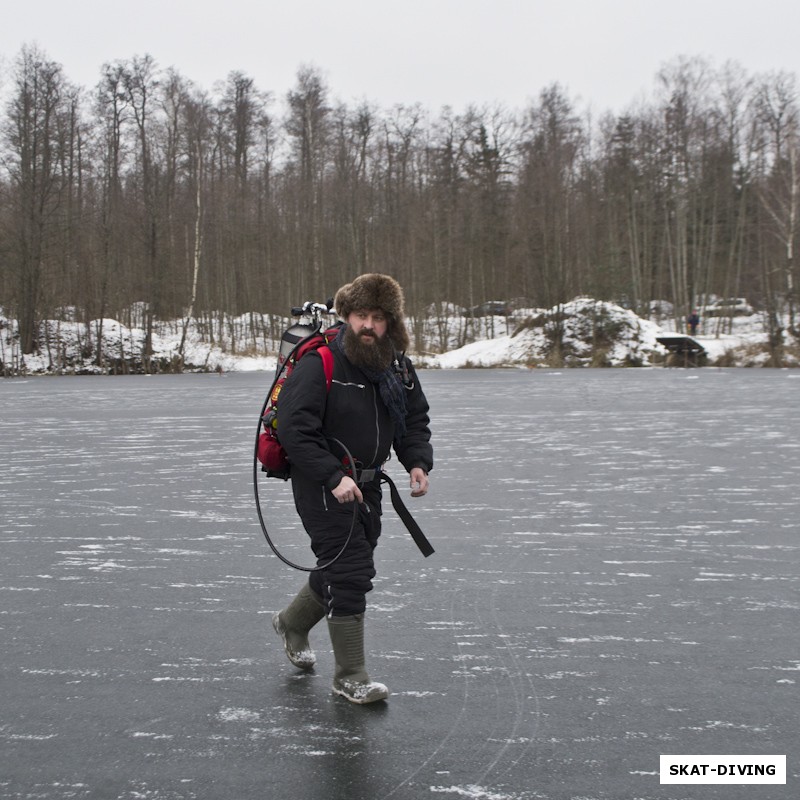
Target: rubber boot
{"type": "Point", "coordinates": [294, 623]}
{"type": "Point", "coordinates": [350, 678]}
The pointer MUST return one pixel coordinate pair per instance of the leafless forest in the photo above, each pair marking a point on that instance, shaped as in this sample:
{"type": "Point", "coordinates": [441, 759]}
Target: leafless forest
{"type": "Point", "coordinates": [147, 191]}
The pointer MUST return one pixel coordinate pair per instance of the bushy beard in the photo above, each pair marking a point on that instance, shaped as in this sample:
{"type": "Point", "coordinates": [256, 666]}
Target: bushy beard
{"type": "Point", "coordinates": [375, 356]}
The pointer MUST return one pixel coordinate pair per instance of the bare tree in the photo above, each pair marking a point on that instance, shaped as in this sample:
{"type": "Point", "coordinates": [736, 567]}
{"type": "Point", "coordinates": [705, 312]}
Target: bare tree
{"type": "Point", "coordinates": [197, 114]}
{"type": "Point", "coordinates": [140, 83]}
{"type": "Point", "coordinates": [111, 108]}
{"type": "Point", "coordinates": [545, 202]}
{"type": "Point", "coordinates": [308, 129]}
{"type": "Point", "coordinates": [488, 163]}
{"type": "Point", "coordinates": [736, 128]}
{"type": "Point", "coordinates": [350, 187]}
{"type": "Point", "coordinates": [31, 139]}
{"type": "Point", "coordinates": [685, 84]}
{"type": "Point", "coordinates": [780, 189]}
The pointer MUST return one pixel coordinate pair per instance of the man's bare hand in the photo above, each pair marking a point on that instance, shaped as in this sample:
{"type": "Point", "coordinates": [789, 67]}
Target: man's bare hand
{"type": "Point", "coordinates": [419, 482]}
{"type": "Point", "coordinates": [347, 491]}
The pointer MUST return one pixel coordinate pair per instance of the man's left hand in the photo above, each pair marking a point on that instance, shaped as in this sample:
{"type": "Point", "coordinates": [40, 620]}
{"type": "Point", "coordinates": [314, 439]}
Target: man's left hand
{"type": "Point", "coordinates": [419, 482]}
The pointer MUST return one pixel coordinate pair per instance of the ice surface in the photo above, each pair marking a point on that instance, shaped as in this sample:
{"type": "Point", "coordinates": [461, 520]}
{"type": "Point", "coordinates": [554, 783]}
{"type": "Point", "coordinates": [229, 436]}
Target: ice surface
{"type": "Point", "coordinates": [616, 576]}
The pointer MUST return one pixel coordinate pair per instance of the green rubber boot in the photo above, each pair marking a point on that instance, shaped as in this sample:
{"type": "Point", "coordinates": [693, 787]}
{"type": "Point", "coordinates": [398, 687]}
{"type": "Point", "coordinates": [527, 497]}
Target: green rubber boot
{"type": "Point", "coordinates": [294, 623]}
{"type": "Point", "coordinates": [350, 678]}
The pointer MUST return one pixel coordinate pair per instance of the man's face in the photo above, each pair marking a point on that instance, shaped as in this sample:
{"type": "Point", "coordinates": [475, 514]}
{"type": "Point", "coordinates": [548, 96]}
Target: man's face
{"type": "Point", "coordinates": [368, 325]}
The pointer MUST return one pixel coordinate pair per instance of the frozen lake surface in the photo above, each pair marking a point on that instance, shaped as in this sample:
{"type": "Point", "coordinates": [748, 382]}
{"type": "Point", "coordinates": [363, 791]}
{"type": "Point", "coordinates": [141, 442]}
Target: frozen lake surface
{"type": "Point", "coordinates": [616, 577]}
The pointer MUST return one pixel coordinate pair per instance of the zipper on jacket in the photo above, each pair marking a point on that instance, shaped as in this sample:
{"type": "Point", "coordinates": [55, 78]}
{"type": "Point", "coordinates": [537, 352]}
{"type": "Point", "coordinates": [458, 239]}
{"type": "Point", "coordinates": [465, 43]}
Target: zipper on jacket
{"type": "Point", "coordinates": [349, 383]}
{"type": "Point", "coordinates": [377, 425]}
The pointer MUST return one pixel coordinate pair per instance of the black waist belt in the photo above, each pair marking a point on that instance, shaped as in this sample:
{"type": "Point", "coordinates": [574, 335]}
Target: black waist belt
{"type": "Point", "coordinates": [417, 535]}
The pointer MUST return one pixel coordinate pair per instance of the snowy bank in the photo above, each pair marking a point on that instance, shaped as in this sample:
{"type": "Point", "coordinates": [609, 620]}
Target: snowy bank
{"type": "Point", "coordinates": [584, 332]}
{"type": "Point", "coordinates": [581, 333]}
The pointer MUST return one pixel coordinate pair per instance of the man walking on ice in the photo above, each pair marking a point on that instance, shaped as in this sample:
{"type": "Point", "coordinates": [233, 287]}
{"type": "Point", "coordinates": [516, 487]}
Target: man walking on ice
{"type": "Point", "coordinates": [374, 403]}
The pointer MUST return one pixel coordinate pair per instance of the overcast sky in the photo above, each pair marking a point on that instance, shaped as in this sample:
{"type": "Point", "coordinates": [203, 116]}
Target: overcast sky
{"type": "Point", "coordinates": [605, 53]}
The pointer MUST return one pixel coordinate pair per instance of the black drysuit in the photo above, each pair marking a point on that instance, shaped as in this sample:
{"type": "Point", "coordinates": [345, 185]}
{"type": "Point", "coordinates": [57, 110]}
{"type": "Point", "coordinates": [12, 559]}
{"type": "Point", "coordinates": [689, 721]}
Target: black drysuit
{"type": "Point", "coordinates": [352, 411]}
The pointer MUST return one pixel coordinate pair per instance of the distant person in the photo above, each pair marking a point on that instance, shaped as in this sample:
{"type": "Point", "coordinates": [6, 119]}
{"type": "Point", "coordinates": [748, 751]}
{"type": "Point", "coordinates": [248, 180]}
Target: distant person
{"type": "Point", "coordinates": [374, 402]}
{"type": "Point", "coordinates": [692, 321]}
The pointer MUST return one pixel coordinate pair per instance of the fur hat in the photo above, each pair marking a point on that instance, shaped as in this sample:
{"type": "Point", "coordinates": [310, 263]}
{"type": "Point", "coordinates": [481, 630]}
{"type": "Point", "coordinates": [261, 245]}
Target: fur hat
{"type": "Point", "coordinates": [375, 291]}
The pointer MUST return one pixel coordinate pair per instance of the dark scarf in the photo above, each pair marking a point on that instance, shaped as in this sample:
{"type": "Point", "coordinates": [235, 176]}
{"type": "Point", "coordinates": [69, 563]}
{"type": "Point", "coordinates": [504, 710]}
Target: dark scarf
{"type": "Point", "coordinates": [389, 383]}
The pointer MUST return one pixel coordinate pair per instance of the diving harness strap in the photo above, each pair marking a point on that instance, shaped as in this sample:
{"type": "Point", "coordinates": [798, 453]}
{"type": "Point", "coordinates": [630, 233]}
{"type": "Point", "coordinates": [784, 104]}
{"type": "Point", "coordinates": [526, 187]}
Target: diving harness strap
{"type": "Point", "coordinates": [421, 541]}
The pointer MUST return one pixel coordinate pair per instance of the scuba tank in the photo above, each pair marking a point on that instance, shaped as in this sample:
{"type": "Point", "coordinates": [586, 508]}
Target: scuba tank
{"type": "Point", "coordinates": [292, 336]}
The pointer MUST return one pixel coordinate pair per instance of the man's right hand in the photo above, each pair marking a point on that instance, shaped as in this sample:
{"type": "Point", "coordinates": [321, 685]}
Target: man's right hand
{"type": "Point", "coordinates": [347, 491]}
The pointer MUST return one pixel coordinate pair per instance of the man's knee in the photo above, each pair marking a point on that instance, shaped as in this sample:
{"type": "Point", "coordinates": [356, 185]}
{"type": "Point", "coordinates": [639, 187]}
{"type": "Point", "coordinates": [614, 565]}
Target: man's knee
{"type": "Point", "coordinates": [348, 580]}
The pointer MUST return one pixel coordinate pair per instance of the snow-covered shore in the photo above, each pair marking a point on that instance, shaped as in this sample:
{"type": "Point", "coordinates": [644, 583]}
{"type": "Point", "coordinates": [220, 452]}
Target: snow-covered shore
{"type": "Point", "coordinates": [584, 332]}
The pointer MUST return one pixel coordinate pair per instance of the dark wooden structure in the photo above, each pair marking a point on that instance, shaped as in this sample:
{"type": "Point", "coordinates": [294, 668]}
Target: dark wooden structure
{"type": "Point", "coordinates": [684, 351]}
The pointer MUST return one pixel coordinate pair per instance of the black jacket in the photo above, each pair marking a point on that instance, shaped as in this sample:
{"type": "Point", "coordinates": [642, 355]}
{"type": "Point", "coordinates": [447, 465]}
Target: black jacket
{"type": "Point", "coordinates": [310, 417]}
